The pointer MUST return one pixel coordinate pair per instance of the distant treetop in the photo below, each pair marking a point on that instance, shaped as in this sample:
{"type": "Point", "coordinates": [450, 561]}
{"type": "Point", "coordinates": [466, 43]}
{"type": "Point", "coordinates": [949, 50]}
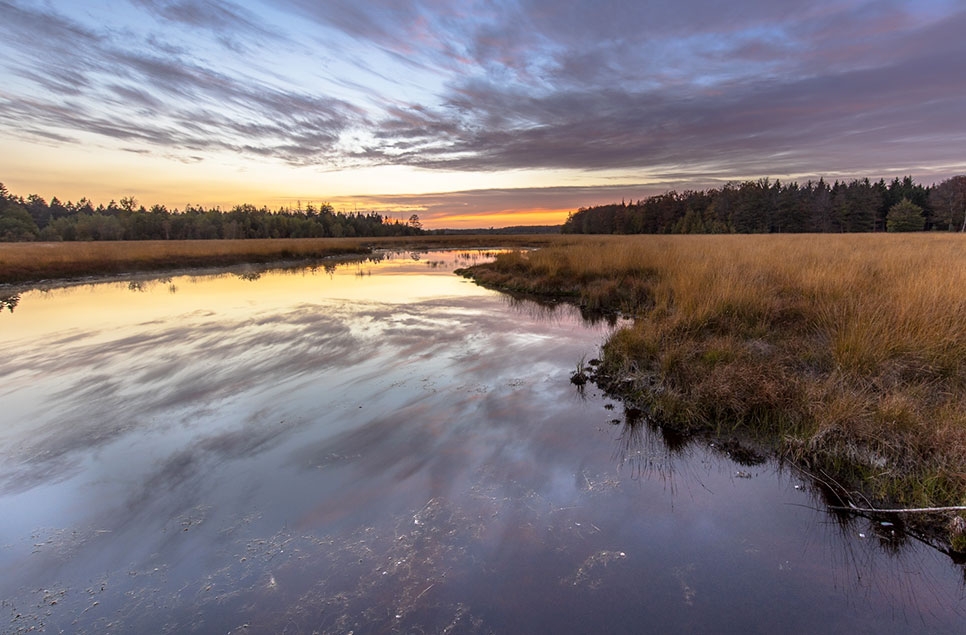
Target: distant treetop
{"type": "Point", "coordinates": [33, 218]}
{"type": "Point", "coordinates": [763, 206]}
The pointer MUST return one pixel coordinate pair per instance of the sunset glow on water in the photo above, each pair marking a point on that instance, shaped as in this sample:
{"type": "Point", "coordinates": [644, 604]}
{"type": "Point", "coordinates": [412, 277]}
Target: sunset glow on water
{"type": "Point", "coordinates": [384, 445]}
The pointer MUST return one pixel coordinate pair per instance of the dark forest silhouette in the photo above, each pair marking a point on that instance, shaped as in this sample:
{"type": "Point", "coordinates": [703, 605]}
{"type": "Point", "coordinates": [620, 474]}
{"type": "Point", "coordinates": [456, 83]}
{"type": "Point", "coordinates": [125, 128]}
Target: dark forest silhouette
{"type": "Point", "coordinates": [773, 207]}
{"type": "Point", "coordinates": [33, 218]}
{"type": "Point", "coordinates": [759, 206]}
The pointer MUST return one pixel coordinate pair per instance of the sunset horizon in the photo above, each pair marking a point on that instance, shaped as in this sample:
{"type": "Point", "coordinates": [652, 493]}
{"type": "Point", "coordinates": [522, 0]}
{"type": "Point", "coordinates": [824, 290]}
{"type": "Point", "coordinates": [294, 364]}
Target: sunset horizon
{"type": "Point", "coordinates": [470, 115]}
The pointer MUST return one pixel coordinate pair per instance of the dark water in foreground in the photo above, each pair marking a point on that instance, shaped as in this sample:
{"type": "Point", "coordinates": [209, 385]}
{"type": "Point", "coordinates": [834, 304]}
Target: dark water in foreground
{"type": "Point", "coordinates": [388, 448]}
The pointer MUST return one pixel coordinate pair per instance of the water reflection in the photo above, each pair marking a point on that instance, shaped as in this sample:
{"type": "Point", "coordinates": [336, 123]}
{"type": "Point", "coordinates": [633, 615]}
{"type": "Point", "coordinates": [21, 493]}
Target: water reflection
{"type": "Point", "coordinates": [645, 449]}
{"type": "Point", "coordinates": [867, 555]}
{"type": "Point", "coordinates": [641, 449]}
{"type": "Point", "coordinates": [9, 302]}
{"type": "Point", "coordinates": [549, 309]}
{"type": "Point", "coordinates": [314, 450]}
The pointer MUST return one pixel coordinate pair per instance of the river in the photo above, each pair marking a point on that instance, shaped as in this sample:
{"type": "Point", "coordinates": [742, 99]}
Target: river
{"type": "Point", "coordinates": [382, 446]}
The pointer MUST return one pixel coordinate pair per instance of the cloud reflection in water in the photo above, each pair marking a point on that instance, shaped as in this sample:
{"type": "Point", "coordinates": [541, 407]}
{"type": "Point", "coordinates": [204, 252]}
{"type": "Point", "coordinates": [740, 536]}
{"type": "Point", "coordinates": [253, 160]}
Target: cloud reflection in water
{"type": "Point", "coordinates": [290, 450]}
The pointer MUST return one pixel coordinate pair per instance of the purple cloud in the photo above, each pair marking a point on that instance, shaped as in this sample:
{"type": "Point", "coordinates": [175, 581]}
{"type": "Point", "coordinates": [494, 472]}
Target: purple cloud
{"type": "Point", "coordinates": [761, 87]}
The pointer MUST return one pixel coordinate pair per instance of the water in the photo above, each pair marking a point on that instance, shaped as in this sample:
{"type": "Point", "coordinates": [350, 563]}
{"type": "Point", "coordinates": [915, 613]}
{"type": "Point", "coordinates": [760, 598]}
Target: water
{"type": "Point", "coordinates": [386, 447]}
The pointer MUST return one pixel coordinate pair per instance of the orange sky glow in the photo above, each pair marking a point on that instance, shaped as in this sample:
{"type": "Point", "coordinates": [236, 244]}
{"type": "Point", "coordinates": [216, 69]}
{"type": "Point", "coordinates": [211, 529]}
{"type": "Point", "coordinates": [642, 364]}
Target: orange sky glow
{"type": "Point", "coordinates": [465, 117]}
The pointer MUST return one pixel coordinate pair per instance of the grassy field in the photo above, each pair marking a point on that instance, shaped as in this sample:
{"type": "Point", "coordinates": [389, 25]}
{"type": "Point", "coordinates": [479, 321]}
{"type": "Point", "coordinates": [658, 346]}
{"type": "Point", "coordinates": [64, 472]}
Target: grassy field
{"type": "Point", "coordinates": [846, 354]}
{"type": "Point", "coordinates": [29, 262]}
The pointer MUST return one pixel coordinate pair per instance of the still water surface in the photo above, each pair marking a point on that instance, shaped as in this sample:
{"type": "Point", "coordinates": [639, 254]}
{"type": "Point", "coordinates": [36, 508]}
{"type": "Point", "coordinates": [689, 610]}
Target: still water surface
{"type": "Point", "coordinates": [386, 447]}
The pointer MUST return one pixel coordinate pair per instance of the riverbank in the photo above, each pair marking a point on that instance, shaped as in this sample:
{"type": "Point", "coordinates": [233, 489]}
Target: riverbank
{"type": "Point", "coordinates": [845, 354]}
{"type": "Point", "coordinates": [36, 261]}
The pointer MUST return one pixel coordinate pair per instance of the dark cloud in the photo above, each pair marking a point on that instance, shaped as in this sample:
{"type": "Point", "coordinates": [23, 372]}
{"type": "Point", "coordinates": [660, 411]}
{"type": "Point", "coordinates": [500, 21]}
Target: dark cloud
{"type": "Point", "coordinates": [394, 25]}
{"type": "Point", "coordinates": [443, 208]}
{"type": "Point", "coordinates": [133, 95]}
{"type": "Point", "coordinates": [33, 25]}
{"type": "Point", "coordinates": [219, 16]}
{"type": "Point", "coordinates": [846, 113]}
{"type": "Point", "coordinates": [118, 91]}
{"type": "Point", "coordinates": [759, 87]}
{"type": "Point", "coordinates": [62, 43]}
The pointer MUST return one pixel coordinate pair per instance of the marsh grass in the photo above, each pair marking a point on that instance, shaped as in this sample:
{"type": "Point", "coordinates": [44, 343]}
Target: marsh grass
{"type": "Point", "coordinates": [847, 351]}
{"type": "Point", "coordinates": [26, 262]}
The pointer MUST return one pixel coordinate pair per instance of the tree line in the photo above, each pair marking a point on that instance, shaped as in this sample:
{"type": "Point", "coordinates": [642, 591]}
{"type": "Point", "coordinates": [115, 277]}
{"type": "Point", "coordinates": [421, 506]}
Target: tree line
{"type": "Point", "coordinates": [33, 218]}
{"type": "Point", "coordinates": [764, 206]}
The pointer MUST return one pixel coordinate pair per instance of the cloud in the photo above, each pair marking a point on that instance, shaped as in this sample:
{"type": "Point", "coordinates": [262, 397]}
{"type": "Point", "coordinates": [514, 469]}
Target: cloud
{"type": "Point", "coordinates": [116, 91]}
{"type": "Point", "coordinates": [859, 106]}
{"type": "Point", "coordinates": [223, 18]}
{"type": "Point", "coordinates": [486, 207]}
{"type": "Point", "coordinates": [764, 88]}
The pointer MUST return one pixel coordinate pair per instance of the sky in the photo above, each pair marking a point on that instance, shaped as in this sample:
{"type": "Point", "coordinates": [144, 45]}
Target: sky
{"type": "Point", "coordinates": [471, 114]}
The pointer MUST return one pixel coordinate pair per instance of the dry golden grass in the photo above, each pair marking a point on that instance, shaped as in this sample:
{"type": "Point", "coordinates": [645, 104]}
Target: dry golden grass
{"type": "Point", "coordinates": [25, 262]}
{"type": "Point", "coordinates": [849, 351]}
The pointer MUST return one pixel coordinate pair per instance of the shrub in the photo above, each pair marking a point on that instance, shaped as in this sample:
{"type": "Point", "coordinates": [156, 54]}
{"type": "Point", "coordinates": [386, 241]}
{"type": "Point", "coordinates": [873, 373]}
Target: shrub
{"type": "Point", "coordinates": [905, 216]}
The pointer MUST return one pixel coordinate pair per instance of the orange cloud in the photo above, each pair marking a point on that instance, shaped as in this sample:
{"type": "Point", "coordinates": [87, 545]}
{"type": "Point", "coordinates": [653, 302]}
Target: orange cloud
{"type": "Point", "coordinates": [499, 219]}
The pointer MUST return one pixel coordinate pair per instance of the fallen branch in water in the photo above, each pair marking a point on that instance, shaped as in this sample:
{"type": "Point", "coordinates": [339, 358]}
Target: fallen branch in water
{"type": "Point", "coordinates": [907, 510]}
{"type": "Point", "coordinates": [842, 493]}
{"type": "Point", "coordinates": [956, 528]}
